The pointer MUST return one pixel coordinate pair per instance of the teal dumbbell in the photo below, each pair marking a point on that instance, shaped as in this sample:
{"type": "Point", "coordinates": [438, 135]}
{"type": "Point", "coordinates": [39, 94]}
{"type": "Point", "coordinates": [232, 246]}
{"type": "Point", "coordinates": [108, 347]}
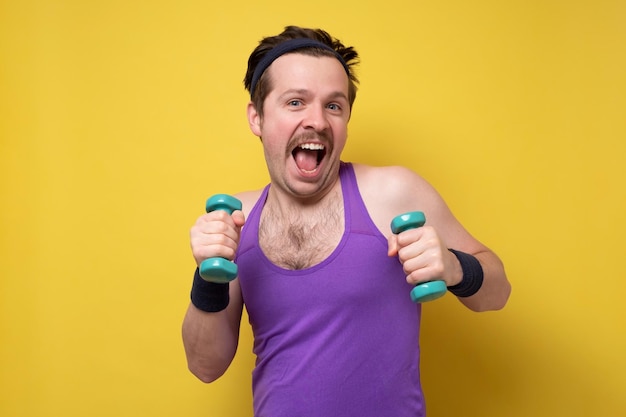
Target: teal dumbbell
{"type": "Point", "coordinates": [220, 270]}
{"type": "Point", "coordinates": [425, 291]}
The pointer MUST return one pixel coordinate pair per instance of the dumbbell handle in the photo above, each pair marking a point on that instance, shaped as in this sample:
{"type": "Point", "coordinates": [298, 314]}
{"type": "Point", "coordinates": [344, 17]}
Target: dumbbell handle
{"type": "Point", "coordinates": [426, 291]}
{"type": "Point", "coordinates": [217, 269]}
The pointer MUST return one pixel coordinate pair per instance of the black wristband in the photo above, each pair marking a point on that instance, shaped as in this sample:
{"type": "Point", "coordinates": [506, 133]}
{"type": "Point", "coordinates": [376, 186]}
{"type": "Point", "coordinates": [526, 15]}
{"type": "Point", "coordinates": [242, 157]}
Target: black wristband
{"type": "Point", "coordinates": [209, 296]}
{"type": "Point", "coordinates": [472, 275]}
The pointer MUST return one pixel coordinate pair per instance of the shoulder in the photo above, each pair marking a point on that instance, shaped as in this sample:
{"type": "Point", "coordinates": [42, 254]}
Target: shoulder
{"type": "Point", "coordinates": [391, 190]}
{"type": "Point", "coordinates": [248, 199]}
{"type": "Point", "coordinates": [397, 186]}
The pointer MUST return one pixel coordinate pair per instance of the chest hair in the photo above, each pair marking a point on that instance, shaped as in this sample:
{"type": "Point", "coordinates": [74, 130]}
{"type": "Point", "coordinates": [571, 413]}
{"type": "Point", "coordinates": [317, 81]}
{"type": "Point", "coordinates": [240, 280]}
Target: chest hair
{"type": "Point", "coordinates": [298, 239]}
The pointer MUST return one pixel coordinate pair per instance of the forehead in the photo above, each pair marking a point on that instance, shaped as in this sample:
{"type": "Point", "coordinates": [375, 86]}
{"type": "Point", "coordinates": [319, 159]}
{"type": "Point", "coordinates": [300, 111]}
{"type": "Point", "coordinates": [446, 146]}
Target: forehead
{"type": "Point", "coordinates": [300, 71]}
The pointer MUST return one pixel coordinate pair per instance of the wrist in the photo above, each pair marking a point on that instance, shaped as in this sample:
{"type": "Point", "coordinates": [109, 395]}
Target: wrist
{"type": "Point", "coordinates": [210, 297]}
{"type": "Point", "coordinates": [473, 275]}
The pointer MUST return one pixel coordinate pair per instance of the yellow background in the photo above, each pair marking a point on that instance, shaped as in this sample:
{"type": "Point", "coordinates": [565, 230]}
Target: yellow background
{"type": "Point", "coordinates": [118, 118]}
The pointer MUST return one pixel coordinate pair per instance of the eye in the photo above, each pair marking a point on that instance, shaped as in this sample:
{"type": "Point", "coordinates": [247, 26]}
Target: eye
{"type": "Point", "coordinates": [334, 106]}
{"type": "Point", "coordinates": [294, 103]}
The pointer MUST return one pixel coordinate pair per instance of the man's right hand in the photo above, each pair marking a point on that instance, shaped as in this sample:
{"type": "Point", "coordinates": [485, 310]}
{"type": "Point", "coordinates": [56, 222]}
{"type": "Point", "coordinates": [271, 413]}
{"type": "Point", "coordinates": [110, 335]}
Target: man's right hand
{"type": "Point", "coordinates": [216, 234]}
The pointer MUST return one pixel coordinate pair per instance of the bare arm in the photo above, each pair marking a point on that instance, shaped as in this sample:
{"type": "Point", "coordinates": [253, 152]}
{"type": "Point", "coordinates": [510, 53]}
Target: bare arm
{"type": "Point", "coordinates": [496, 288]}
{"type": "Point", "coordinates": [211, 339]}
{"type": "Point", "coordinates": [390, 191]}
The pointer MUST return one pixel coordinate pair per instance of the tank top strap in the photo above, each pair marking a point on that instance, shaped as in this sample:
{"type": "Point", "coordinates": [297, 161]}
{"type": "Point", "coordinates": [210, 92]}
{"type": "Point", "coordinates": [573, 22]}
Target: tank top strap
{"type": "Point", "coordinates": [357, 217]}
{"type": "Point", "coordinates": [250, 230]}
{"type": "Point", "coordinates": [356, 214]}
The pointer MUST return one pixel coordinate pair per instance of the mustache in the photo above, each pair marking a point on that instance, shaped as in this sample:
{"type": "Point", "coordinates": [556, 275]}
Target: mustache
{"type": "Point", "coordinates": [301, 138]}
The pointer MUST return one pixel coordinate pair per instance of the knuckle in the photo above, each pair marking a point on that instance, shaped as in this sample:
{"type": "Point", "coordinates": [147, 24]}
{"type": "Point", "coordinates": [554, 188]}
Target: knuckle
{"type": "Point", "coordinates": [220, 215]}
{"type": "Point", "coordinates": [437, 271]}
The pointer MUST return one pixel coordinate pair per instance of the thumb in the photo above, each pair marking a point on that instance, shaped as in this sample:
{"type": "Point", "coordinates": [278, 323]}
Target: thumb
{"type": "Point", "coordinates": [239, 218]}
{"type": "Point", "coordinates": [392, 245]}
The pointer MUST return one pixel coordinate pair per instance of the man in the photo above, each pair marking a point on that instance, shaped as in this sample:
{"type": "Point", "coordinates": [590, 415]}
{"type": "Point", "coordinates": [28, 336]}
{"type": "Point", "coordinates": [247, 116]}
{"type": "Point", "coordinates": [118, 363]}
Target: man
{"type": "Point", "coordinates": [324, 280]}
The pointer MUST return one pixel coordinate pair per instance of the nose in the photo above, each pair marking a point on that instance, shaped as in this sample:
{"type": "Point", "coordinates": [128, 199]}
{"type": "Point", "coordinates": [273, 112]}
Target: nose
{"type": "Point", "coordinates": [315, 118]}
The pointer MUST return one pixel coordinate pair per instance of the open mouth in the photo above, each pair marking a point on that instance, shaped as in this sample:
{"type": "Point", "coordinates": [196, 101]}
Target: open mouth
{"type": "Point", "coordinates": [308, 156]}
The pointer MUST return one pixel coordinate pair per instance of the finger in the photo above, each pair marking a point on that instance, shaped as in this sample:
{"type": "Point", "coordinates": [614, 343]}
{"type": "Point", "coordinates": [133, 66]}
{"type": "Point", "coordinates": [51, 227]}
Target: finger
{"type": "Point", "coordinates": [425, 274]}
{"type": "Point", "coordinates": [410, 236]}
{"type": "Point", "coordinates": [215, 235]}
{"type": "Point", "coordinates": [238, 218]}
{"type": "Point", "coordinates": [213, 245]}
{"type": "Point", "coordinates": [426, 267]}
{"type": "Point", "coordinates": [218, 222]}
{"type": "Point", "coordinates": [219, 216]}
{"type": "Point", "coordinates": [392, 245]}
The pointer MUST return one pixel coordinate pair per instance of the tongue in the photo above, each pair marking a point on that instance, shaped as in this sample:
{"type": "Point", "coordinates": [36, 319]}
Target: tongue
{"type": "Point", "coordinates": [306, 160]}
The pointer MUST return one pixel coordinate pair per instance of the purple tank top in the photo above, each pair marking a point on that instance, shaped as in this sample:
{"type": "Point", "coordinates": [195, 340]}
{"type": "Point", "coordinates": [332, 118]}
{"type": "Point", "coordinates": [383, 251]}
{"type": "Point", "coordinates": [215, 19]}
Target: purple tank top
{"type": "Point", "coordinates": [340, 338]}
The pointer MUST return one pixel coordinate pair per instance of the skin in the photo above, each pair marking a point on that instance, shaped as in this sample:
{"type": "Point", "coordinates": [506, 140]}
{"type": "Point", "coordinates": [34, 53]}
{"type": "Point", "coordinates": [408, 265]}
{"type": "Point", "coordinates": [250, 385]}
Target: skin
{"type": "Point", "coordinates": [308, 105]}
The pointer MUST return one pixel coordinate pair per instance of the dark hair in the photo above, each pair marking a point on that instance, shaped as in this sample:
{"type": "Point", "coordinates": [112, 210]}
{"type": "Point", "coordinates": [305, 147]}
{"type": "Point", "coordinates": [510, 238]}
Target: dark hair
{"type": "Point", "coordinates": [263, 86]}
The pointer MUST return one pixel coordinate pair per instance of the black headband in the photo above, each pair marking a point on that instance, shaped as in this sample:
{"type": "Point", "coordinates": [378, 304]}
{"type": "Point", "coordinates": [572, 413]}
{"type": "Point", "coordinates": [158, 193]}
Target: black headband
{"type": "Point", "coordinates": [289, 46]}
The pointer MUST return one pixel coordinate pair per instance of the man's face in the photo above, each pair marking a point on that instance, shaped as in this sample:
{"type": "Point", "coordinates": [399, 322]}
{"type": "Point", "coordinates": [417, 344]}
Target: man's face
{"type": "Point", "coordinates": [304, 124]}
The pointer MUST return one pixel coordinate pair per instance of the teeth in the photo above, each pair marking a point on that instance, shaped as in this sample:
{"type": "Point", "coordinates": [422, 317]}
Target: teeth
{"type": "Point", "coordinates": [312, 146]}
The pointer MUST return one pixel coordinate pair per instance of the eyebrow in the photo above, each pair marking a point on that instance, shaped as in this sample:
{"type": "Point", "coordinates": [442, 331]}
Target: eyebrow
{"type": "Point", "coordinates": [304, 92]}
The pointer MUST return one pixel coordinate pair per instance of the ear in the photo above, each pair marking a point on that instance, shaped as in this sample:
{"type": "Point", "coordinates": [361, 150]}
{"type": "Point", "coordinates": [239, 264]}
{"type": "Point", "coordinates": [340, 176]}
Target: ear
{"type": "Point", "coordinates": [254, 119]}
